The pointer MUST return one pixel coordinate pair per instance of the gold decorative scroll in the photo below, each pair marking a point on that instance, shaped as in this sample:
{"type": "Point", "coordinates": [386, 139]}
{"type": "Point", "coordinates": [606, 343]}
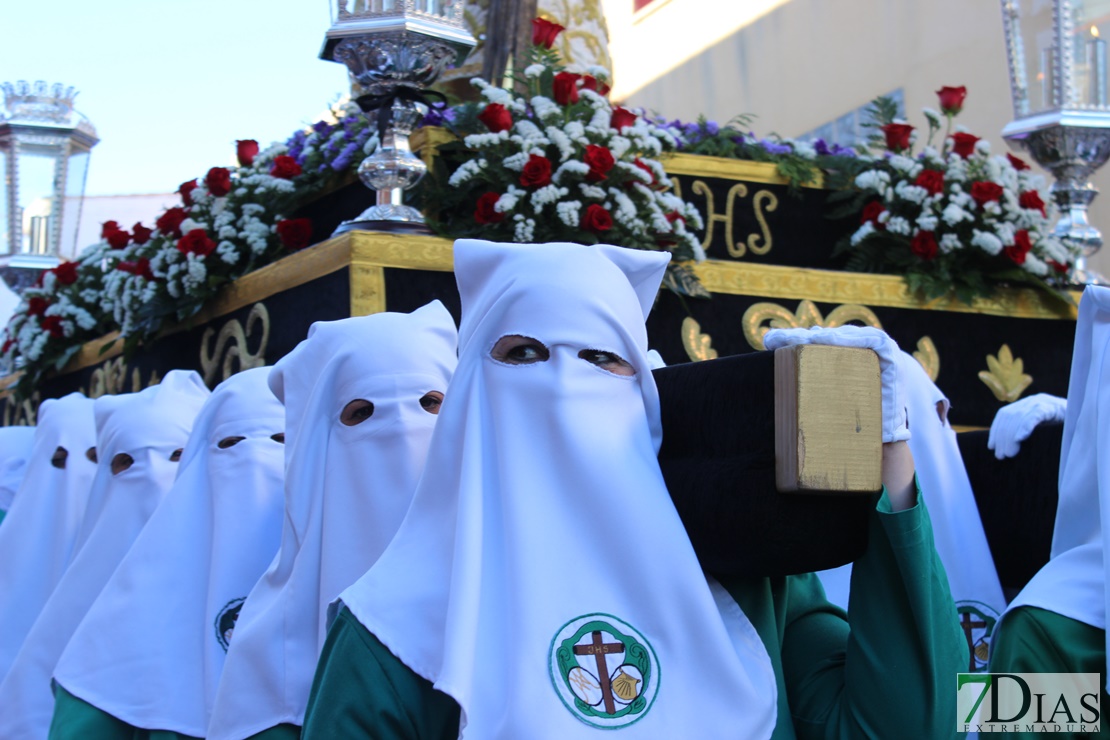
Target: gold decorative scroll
{"type": "Point", "coordinates": [24, 413]}
{"type": "Point", "coordinates": [928, 357]}
{"type": "Point", "coordinates": [218, 360]}
{"type": "Point", "coordinates": [806, 316]}
{"type": "Point", "coordinates": [1005, 376]}
{"type": "Point", "coordinates": [699, 346]}
{"type": "Point", "coordinates": [111, 378]}
{"type": "Point", "coordinates": [763, 201]}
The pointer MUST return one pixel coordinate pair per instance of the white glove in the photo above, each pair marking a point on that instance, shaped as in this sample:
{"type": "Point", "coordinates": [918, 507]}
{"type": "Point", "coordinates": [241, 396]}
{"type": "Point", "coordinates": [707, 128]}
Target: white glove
{"type": "Point", "coordinates": [895, 425]}
{"type": "Point", "coordinates": [1014, 422]}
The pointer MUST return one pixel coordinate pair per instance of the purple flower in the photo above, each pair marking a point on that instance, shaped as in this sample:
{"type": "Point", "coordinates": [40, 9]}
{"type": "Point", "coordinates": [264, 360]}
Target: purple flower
{"type": "Point", "coordinates": [322, 127]}
{"type": "Point", "coordinates": [821, 147]}
{"type": "Point", "coordinates": [773, 147]}
{"type": "Point", "coordinates": [712, 129]}
{"type": "Point", "coordinates": [344, 159]}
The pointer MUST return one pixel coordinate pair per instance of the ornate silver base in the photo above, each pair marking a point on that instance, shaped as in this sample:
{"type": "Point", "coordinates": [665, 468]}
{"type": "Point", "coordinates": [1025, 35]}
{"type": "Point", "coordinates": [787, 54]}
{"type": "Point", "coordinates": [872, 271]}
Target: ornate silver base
{"type": "Point", "coordinates": [392, 227]}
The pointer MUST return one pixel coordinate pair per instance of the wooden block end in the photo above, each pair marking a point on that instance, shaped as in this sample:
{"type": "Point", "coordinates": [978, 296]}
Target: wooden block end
{"type": "Point", "coordinates": [828, 420]}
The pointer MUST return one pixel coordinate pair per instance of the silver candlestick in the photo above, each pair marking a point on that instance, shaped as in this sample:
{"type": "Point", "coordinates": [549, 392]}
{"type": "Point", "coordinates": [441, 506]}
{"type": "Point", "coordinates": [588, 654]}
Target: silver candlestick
{"type": "Point", "coordinates": [394, 49]}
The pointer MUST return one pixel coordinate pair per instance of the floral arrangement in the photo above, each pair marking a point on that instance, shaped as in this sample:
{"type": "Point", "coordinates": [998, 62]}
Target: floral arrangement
{"type": "Point", "coordinates": [800, 162]}
{"type": "Point", "coordinates": [561, 163]}
{"type": "Point", "coordinates": [952, 217]}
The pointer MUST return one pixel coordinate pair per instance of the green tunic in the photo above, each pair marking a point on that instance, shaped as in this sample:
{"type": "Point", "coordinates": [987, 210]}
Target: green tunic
{"type": "Point", "coordinates": [1034, 640]}
{"type": "Point", "coordinates": [76, 719]}
{"type": "Point", "coordinates": [891, 675]}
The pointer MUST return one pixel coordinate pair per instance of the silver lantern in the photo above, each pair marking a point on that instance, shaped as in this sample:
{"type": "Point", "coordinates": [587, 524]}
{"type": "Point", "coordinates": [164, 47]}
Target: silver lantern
{"type": "Point", "coordinates": [44, 156]}
{"type": "Point", "coordinates": [1058, 80]}
{"type": "Point", "coordinates": [394, 49]}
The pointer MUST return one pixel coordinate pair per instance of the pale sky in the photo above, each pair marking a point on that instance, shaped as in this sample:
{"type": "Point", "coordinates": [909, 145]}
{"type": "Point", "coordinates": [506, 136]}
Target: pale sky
{"type": "Point", "coordinates": [170, 85]}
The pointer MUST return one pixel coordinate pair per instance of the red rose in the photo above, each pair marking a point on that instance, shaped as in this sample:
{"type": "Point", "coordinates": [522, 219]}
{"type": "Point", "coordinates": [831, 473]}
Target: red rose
{"type": "Point", "coordinates": [53, 324]}
{"type": "Point", "coordinates": [484, 213]}
{"type": "Point", "coordinates": [544, 32]}
{"type": "Point", "coordinates": [622, 117]}
{"type": "Point", "coordinates": [951, 99]}
{"type": "Point", "coordinates": [1021, 247]}
{"type": "Point", "coordinates": [589, 82]}
{"type": "Point", "coordinates": [186, 191]}
{"type": "Point", "coordinates": [218, 181]}
{"type": "Point", "coordinates": [285, 167]}
{"type": "Point", "coordinates": [675, 216]}
{"type": "Point", "coordinates": [963, 144]}
{"type": "Point", "coordinates": [196, 242]}
{"type": "Point", "coordinates": [651, 173]}
{"type": "Point", "coordinates": [536, 172]}
{"type": "Point", "coordinates": [140, 234]}
{"type": "Point", "coordinates": [1017, 163]}
{"type": "Point", "coordinates": [295, 233]}
{"type": "Point", "coordinates": [245, 151]}
{"type": "Point", "coordinates": [1059, 267]}
{"type": "Point", "coordinates": [7, 345]}
{"type": "Point", "coordinates": [597, 218]}
{"type": "Point", "coordinates": [931, 180]}
{"type": "Point", "coordinates": [924, 245]}
{"type": "Point", "coordinates": [37, 306]}
{"type": "Point", "coordinates": [107, 228]}
{"type": "Point", "coordinates": [871, 212]}
{"type": "Point", "coordinates": [170, 222]}
{"type": "Point", "coordinates": [897, 136]}
{"type": "Point", "coordinates": [66, 273]}
{"type": "Point", "coordinates": [140, 267]}
{"type": "Point", "coordinates": [1031, 199]}
{"type": "Point", "coordinates": [119, 239]}
{"type": "Point", "coordinates": [600, 161]}
{"type": "Point", "coordinates": [496, 117]}
{"type": "Point", "coordinates": [985, 192]}
{"type": "Point", "coordinates": [565, 88]}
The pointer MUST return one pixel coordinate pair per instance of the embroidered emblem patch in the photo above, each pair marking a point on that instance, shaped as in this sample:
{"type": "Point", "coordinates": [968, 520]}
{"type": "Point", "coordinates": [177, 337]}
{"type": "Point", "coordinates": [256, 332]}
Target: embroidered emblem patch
{"type": "Point", "coordinates": [977, 620]}
{"type": "Point", "coordinates": [225, 621]}
{"type": "Point", "coordinates": [604, 670]}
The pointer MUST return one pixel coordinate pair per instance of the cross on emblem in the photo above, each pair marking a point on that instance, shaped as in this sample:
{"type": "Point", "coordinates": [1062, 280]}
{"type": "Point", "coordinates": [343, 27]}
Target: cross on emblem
{"type": "Point", "coordinates": [969, 623]}
{"type": "Point", "coordinates": [599, 650]}
{"type": "Point", "coordinates": [618, 695]}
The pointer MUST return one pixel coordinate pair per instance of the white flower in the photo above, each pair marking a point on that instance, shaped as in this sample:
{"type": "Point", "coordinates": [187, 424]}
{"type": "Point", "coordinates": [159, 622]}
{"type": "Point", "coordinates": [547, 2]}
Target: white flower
{"type": "Point", "coordinates": [898, 225]}
{"type": "Point", "coordinates": [804, 149]}
{"type": "Point", "coordinates": [478, 141]}
{"type": "Point", "coordinates": [592, 191]}
{"type": "Point", "coordinates": [568, 212]}
{"type": "Point", "coordinates": [1034, 265]}
{"type": "Point", "coordinates": [932, 117]}
{"type": "Point", "coordinates": [464, 173]}
{"type": "Point", "coordinates": [1004, 232]}
{"type": "Point", "coordinates": [953, 215]}
{"type": "Point", "coordinates": [524, 229]}
{"type": "Point", "coordinates": [913, 193]}
{"type": "Point", "coordinates": [986, 241]}
{"type": "Point", "coordinates": [508, 200]}
{"type": "Point", "coordinates": [949, 243]}
{"type": "Point", "coordinates": [573, 167]}
{"type": "Point", "coordinates": [547, 194]}
{"type": "Point", "coordinates": [189, 224]}
{"type": "Point", "coordinates": [902, 163]}
{"type": "Point", "coordinates": [876, 180]}
{"type": "Point", "coordinates": [862, 233]}
{"type": "Point", "coordinates": [927, 221]}
{"type": "Point", "coordinates": [534, 70]}
{"type": "Point", "coordinates": [561, 141]}
{"type": "Point", "coordinates": [516, 162]}
{"type": "Point", "coordinates": [546, 108]}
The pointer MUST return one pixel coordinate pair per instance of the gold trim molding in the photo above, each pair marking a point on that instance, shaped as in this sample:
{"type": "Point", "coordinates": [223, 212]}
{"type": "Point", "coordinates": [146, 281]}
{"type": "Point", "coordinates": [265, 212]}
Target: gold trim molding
{"type": "Point", "coordinates": [723, 168]}
{"type": "Point", "coordinates": [831, 286]}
